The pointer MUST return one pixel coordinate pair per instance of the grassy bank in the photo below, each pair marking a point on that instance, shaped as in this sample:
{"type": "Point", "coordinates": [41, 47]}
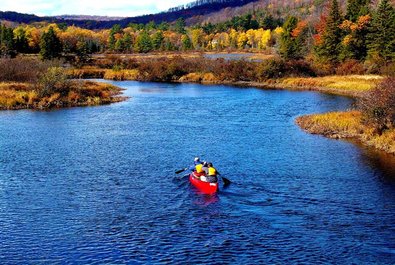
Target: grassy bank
{"type": "Point", "coordinates": [272, 73]}
{"type": "Point", "coordinates": [29, 83]}
{"type": "Point", "coordinates": [350, 124]}
{"type": "Point", "coordinates": [14, 96]}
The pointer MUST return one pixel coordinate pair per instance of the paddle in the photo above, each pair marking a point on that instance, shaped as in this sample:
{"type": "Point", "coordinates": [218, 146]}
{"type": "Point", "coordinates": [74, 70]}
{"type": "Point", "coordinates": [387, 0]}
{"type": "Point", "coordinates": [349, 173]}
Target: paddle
{"type": "Point", "coordinates": [181, 170]}
{"type": "Point", "coordinates": [226, 181]}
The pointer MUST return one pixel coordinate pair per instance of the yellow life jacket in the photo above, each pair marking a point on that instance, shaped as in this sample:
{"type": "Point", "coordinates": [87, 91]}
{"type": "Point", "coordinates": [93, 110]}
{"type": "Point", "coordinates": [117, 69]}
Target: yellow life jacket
{"type": "Point", "coordinates": [212, 171]}
{"type": "Point", "coordinates": [199, 168]}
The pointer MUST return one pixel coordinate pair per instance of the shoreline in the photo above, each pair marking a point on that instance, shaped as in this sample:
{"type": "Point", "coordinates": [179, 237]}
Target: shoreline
{"type": "Point", "coordinates": [19, 96]}
{"type": "Point", "coordinates": [331, 125]}
{"type": "Point", "coordinates": [347, 125]}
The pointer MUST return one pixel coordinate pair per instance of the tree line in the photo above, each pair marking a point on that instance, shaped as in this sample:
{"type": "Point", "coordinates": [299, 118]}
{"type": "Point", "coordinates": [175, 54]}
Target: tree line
{"type": "Point", "coordinates": [361, 34]}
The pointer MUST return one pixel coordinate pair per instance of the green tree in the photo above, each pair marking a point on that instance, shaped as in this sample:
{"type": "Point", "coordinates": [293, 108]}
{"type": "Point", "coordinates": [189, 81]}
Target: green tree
{"type": "Point", "coordinates": [381, 40]}
{"type": "Point", "coordinates": [119, 45]}
{"type": "Point", "coordinates": [330, 48]}
{"type": "Point", "coordinates": [126, 42]}
{"type": "Point", "coordinates": [357, 8]}
{"type": "Point", "coordinates": [7, 44]}
{"type": "Point", "coordinates": [21, 42]}
{"type": "Point", "coordinates": [82, 51]}
{"type": "Point", "coordinates": [50, 45]}
{"type": "Point", "coordinates": [163, 26]}
{"type": "Point", "coordinates": [186, 42]}
{"type": "Point", "coordinates": [288, 46]}
{"type": "Point", "coordinates": [157, 40]}
{"type": "Point", "coordinates": [111, 41]}
{"type": "Point", "coordinates": [143, 42]}
{"type": "Point", "coordinates": [179, 26]}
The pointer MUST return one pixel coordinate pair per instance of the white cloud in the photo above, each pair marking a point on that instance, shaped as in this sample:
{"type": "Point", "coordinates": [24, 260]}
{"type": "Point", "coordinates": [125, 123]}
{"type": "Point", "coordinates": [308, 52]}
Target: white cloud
{"type": "Point", "coordinates": [90, 7]}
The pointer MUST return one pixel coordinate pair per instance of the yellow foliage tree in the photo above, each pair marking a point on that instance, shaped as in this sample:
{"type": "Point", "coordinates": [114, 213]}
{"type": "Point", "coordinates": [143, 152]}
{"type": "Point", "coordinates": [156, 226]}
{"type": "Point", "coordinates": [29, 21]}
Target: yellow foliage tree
{"type": "Point", "coordinates": [264, 39]}
{"type": "Point", "coordinates": [242, 40]}
{"type": "Point", "coordinates": [197, 36]}
{"type": "Point", "coordinates": [233, 38]}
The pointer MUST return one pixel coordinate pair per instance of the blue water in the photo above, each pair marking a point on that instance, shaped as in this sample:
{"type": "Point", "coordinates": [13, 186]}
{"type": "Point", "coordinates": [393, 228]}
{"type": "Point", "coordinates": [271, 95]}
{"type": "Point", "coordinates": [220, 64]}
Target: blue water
{"type": "Point", "coordinates": [97, 184]}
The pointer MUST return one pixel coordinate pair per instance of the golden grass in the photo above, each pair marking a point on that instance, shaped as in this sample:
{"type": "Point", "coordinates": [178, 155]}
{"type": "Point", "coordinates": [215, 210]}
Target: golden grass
{"type": "Point", "coordinates": [345, 85]}
{"type": "Point", "coordinates": [347, 125]}
{"type": "Point", "coordinates": [333, 124]}
{"type": "Point", "coordinates": [120, 75]}
{"type": "Point", "coordinates": [199, 78]}
{"type": "Point", "coordinates": [24, 96]}
{"type": "Point", "coordinates": [86, 72]}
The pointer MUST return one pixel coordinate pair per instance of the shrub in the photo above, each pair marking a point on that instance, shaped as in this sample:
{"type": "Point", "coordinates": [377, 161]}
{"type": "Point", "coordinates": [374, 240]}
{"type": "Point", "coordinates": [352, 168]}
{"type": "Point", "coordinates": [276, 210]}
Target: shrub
{"type": "Point", "coordinates": [22, 69]}
{"type": "Point", "coordinates": [273, 68]}
{"type": "Point", "coordinates": [378, 105]}
{"type": "Point", "coordinates": [53, 81]}
{"type": "Point", "coordinates": [299, 68]}
{"type": "Point", "coordinates": [350, 67]}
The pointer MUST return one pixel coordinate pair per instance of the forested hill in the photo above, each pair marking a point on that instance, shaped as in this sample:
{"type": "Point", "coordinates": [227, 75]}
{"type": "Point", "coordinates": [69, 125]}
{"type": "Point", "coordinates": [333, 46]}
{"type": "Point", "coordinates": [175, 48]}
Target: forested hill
{"type": "Point", "coordinates": [194, 9]}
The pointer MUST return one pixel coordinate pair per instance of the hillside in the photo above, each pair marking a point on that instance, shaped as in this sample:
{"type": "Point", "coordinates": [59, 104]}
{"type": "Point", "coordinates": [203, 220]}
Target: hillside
{"type": "Point", "coordinates": [198, 8]}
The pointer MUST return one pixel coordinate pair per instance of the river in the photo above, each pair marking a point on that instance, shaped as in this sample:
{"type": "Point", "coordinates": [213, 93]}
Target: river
{"type": "Point", "coordinates": [97, 184]}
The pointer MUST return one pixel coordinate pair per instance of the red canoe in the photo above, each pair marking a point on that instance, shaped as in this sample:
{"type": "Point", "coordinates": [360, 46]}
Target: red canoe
{"type": "Point", "coordinates": [204, 187]}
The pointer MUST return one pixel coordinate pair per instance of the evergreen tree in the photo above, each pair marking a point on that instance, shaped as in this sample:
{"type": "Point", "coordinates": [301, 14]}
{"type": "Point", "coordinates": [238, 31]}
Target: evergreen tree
{"type": "Point", "coordinates": [111, 41]}
{"type": "Point", "coordinates": [157, 40]}
{"type": "Point", "coordinates": [330, 48]}
{"type": "Point", "coordinates": [21, 42]}
{"type": "Point", "coordinates": [50, 45]}
{"type": "Point", "coordinates": [186, 42]}
{"type": "Point", "coordinates": [7, 44]}
{"type": "Point", "coordinates": [357, 8]}
{"type": "Point", "coordinates": [119, 45]}
{"type": "Point", "coordinates": [180, 26]}
{"type": "Point", "coordinates": [126, 42]}
{"type": "Point", "coordinates": [82, 51]}
{"type": "Point", "coordinates": [143, 42]}
{"type": "Point", "coordinates": [382, 34]}
{"type": "Point", "coordinates": [288, 47]}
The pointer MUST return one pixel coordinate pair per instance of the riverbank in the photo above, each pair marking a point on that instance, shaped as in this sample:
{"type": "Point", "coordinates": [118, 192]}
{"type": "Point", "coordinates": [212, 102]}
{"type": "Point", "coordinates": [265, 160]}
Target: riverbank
{"type": "Point", "coordinates": [24, 95]}
{"type": "Point", "coordinates": [343, 125]}
{"type": "Point", "coordinates": [347, 85]}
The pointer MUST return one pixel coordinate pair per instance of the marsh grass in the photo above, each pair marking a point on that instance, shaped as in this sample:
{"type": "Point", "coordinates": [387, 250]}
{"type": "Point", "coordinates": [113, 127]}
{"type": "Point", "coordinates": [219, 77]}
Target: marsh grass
{"type": "Point", "coordinates": [348, 125]}
{"type": "Point", "coordinates": [342, 84]}
{"type": "Point", "coordinates": [79, 93]}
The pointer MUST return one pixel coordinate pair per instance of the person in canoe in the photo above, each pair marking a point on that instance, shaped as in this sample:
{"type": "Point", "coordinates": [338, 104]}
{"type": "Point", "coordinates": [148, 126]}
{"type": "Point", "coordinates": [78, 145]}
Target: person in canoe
{"type": "Point", "coordinates": [199, 172]}
{"type": "Point", "coordinates": [212, 173]}
{"type": "Point", "coordinates": [196, 162]}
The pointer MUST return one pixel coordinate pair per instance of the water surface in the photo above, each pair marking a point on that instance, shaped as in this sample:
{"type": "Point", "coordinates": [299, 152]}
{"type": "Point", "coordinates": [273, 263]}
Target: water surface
{"type": "Point", "coordinates": [97, 184]}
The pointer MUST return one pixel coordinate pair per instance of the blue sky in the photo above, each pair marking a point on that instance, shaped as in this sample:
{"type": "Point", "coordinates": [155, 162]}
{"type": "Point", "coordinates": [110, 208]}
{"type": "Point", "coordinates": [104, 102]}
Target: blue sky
{"type": "Point", "coordinates": [90, 7]}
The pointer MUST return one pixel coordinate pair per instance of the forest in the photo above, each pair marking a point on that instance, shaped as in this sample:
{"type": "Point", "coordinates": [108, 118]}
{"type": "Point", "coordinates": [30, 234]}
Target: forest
{"type": "Point", "coordinates": [361, 38]}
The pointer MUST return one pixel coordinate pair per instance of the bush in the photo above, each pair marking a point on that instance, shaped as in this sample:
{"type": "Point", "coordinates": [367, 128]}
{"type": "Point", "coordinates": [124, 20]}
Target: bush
{"type": "Point", "coordinates": [350, 67]}
{"type": "Point", "coordinates": [22, 69]}
{"type": "Point", "coordinates": [378, 105]}
{"type": "Point", "coordinates": [53, 81]}
{"type": "Point", "coordinates": [299, 68]}
{"type": "Point", "coordinates": [272, 68]}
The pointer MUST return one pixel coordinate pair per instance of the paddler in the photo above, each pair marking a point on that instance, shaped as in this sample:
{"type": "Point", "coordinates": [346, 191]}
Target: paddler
{"type": "Point", "coordinates": [212, 173]}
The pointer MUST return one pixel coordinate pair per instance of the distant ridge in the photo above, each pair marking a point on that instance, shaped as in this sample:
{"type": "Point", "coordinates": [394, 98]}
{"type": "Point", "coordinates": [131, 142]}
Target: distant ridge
{"type": "Point", "coordinates": [193, 9]}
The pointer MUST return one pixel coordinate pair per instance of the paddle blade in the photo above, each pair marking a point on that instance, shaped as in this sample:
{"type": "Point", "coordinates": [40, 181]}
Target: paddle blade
{"type": "Point", "coordinates": [181, 170]}
{"type": "Point", "coordinates": [226, 181]}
